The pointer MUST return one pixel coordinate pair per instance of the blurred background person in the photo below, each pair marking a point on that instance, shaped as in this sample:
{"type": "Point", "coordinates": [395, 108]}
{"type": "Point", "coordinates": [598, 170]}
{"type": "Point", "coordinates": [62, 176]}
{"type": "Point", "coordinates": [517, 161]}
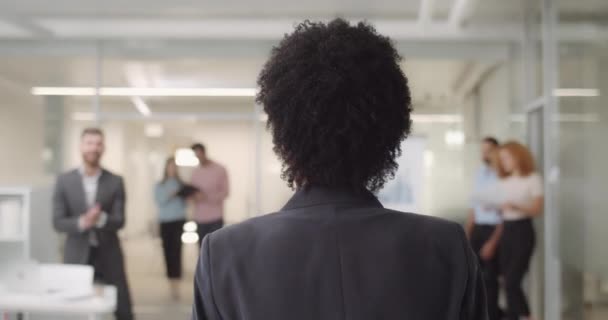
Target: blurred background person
{"type": "Point", "coordinates": [484, 224]}
{"type": "Point", "coordinates": [171, 216]}
{"type": "Point", "coordinates": [522, 189]}
{"type": "Point", "coordinates": [89, 205]}
{"type": "Point", "coordinates": [339, 107]}
{"type": "Point", "coordinates": [211, 180]}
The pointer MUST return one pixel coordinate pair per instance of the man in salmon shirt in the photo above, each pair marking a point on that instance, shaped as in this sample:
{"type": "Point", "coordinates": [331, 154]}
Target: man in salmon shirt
{"type": "Point", "coordinates": [211, 179]}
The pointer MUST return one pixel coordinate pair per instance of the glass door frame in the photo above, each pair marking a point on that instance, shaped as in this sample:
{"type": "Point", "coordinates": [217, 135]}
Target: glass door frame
{"type": "Point", "coordinates": [548, 300]}
{"type": "Point", "coordinates": [552, 281]}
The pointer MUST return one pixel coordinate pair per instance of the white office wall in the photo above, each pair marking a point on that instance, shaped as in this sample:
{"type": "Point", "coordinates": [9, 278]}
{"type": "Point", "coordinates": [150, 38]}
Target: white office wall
{"type": "Point", "coordinates": [21, 142]}
{"type": "Point", "coordinates": [21, 164]}
{"type": "Point", "coordinates": [274, 192]}
{"type": "Point", "coordinates": [495, 103]}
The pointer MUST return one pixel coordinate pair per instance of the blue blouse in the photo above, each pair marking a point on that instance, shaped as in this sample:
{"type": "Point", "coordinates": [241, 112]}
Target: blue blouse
{"type": "Point", "coordinates": [170, 207]}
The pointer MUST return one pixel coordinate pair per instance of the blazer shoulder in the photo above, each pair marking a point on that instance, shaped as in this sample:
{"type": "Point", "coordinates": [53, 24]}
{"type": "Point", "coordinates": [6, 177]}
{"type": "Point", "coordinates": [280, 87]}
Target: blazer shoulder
{"type": "Point", "coordinates": [112, 175]}
{"type": "Point", "coordinates": [245, 229]}
{"type": "Point", "coordinates": [67, 174]}
{"type": "Point", "coordinates": [424, 220]}
{"type": "Point", "coordinates": [444, 232]}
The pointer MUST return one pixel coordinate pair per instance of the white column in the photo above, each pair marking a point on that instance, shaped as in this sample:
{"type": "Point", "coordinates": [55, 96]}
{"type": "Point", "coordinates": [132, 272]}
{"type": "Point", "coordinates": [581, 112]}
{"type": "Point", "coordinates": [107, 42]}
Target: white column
{"type": "Point", "coordinates": [553, 290]}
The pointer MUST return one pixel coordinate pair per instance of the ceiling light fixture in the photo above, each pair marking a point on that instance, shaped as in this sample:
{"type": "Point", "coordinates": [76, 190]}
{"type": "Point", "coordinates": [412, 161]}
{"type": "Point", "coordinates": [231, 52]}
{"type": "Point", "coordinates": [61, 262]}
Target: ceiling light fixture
{"type": "Point", "coordinates": [437, 118]}
{"type": "Point", "coordinates": [576, 92]}
{"type": "Point", "coordinates": [141, 106]}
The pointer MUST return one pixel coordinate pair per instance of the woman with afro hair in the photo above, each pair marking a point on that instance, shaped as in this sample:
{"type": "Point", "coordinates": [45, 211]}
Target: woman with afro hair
{"type": "Point", "coordinates": [338, 107]}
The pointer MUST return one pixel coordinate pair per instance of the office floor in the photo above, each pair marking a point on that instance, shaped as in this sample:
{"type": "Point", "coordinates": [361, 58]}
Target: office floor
{"type": "Point", "coordinates": [149, 286]}
{"type": "Point", "coordinates": [150, 289]}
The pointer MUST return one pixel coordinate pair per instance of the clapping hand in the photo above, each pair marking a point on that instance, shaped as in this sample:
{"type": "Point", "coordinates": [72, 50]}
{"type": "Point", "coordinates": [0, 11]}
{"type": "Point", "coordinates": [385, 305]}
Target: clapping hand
{"type": "Point", "coordinates": [89, 218]}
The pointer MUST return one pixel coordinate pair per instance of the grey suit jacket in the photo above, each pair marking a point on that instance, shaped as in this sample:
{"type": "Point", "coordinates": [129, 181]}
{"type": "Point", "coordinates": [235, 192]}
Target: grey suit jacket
{"type": "Point", "coordinates": [334, 254]}
{"type": "Point", "coordinates": [69, 203]}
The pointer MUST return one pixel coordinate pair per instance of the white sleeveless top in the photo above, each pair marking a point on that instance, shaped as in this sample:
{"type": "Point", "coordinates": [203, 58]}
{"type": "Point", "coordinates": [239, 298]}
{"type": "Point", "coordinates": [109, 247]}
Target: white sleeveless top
{"type": "Point", "coordinates": [520, 190]}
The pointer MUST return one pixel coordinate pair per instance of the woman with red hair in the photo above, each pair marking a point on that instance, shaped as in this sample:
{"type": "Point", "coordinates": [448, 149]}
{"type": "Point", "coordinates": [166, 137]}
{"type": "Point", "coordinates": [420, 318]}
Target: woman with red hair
{"type": "Point", "coordinates": [522, 189]}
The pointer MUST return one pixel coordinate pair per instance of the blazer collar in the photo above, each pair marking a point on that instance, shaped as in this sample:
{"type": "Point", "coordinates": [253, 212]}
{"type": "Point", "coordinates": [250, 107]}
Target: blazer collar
{"type": "Point", "coordinates": [97, 175]}
{"type": "Point", "coordinates": [314, 196]}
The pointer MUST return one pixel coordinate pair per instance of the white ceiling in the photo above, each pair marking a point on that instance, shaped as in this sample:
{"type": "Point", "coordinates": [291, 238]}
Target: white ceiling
{"type": "Point", "coordinates": [51, 26]}
{"type": "Point", "coordinates": [276, 8]}
{"type": "Point", "coordinates": [224, 8]}
{"type": "Point", "coordinates": [269, 19]}
{"type": "Point", "coordinates": [242, 18]}
{"type": "Point", "coordinates": [402, 9]}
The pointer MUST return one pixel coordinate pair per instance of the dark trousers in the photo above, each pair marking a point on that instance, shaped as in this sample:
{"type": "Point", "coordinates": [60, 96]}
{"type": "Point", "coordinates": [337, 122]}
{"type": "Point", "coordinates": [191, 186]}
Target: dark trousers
{"type": "Point", "coordinates": [116, 277]}
{"type": "Point", "coordinates": [206, 228]}
{"type": "Point", "coordinates": [171, 236]}
{"type": "Point", "coordinates": [516, 247]}
{"type": "Point", "coordinates": [480, 235]}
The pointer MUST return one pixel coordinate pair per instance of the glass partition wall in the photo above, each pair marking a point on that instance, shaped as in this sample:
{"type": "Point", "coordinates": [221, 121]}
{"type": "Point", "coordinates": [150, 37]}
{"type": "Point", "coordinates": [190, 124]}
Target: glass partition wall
{"type": "Point", "coordinates": [582, 128]}
{"type": "Point", "coordinates": [565, 51]}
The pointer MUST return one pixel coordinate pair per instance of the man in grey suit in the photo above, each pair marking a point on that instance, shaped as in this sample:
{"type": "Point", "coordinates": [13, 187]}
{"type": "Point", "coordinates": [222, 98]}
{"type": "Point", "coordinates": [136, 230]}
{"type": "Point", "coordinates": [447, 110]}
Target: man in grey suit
{"type": "Point", "coordinates": [89, 206]}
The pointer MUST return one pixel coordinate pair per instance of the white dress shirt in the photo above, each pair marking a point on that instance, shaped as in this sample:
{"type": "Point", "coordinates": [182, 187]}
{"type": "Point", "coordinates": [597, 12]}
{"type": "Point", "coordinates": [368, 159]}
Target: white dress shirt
{"type": "Point", "coordinates": [90, 184]}
{"type": "Point", "coordinates": [486, 183]}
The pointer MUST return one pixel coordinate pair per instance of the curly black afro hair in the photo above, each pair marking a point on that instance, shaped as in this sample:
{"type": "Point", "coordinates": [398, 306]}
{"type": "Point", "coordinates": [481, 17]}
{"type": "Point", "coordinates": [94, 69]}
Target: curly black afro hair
{"type": "Point", "coordinates": [338, 105]}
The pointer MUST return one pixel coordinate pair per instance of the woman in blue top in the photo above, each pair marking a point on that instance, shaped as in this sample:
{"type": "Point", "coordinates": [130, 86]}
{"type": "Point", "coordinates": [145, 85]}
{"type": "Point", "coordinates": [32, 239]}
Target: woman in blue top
{"type": "Point", "coordinates": [172, 216]}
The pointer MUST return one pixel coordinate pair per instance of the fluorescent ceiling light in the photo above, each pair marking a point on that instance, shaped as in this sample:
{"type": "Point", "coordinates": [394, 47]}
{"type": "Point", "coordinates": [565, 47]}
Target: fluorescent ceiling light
{"type": "Point", "coordinates": [576, 92]}
{"type": "Point", "coordinates": [563, 117]}
{"type": "Point", "coordinates": [63, 91]}
{"type": "Point", "coordinates": [144, 92]}
{"type": "Point", "coordinates": [141, 106]}
{"type": "Point", "coordinates": [437, 118]}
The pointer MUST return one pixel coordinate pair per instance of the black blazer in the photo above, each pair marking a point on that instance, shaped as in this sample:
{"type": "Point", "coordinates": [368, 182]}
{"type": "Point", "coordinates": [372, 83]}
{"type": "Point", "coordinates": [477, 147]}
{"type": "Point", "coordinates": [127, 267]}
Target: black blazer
{"type": "Point", "coordinates": [332, 254]}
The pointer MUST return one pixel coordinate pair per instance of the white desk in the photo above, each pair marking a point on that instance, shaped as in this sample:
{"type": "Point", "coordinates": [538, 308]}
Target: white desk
{"type": "Point", "coordinates": [93, 307]}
